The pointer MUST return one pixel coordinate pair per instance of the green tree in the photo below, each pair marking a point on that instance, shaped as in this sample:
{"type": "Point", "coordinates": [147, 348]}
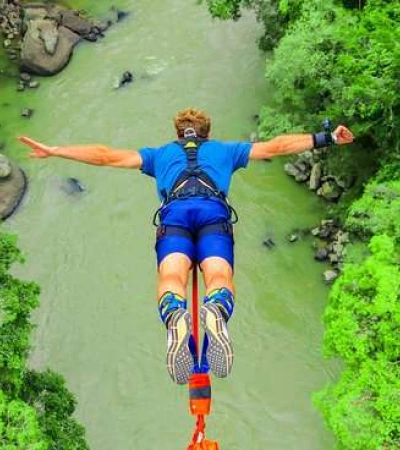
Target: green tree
{"type": "Point", "coordinates": [35, 408]}
{"type": "Point", "coordinates": [19, 426]}
{"type": "Point", "coordinates": [363, 407]}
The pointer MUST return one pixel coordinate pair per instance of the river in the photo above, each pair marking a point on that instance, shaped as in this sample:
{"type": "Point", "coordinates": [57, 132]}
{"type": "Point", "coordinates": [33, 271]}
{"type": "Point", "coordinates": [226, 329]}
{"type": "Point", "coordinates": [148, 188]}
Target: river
{"type": "Point", "coordinates": [92, 253]}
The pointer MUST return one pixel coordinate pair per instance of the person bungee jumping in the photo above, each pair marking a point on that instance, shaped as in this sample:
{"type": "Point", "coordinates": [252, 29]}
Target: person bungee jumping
{"type": "Point", "coordinates": [194, 222]}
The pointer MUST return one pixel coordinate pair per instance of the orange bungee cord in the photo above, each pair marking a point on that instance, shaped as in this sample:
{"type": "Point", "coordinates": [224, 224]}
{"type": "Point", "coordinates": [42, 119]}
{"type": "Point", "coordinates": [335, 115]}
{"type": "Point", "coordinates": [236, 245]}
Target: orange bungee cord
{"type": "Point", "coordinates": [199, 384]}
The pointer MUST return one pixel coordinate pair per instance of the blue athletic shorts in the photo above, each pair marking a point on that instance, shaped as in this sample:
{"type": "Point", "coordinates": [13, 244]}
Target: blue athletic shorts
{"type": "Point", "coordinates": [192, 214]}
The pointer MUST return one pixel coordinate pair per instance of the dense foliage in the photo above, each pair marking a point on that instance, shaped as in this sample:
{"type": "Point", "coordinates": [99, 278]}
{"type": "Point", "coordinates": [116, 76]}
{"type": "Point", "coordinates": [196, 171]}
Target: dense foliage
{"type": "Point", "coordinates": [337, 59]}
{"type": "Point", "coordinates": [35, 408]}
{"type": "Point", "coordinates": [341, 59]}
{"type": "Point", "coordinates": [363, 329]}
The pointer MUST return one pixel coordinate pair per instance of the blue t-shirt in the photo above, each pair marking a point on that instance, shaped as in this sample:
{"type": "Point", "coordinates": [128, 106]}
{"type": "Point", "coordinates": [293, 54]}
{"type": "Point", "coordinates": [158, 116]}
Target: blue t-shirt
{"type": "Point", "coordinates": [218, 159]}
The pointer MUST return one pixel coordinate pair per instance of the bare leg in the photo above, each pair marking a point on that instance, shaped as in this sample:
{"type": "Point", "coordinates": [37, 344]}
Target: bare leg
{"type": "Point", "coordinates": [173, 274]}
{"type": "Point", "coordinates": [217, 274]}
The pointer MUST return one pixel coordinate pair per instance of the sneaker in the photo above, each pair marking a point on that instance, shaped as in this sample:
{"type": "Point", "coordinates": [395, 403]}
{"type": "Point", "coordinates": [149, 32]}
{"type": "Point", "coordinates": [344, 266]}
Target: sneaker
{"type": "Point", "coordinates": [219, 352]}
{"type": "Point", "coordinates": [179, 358]}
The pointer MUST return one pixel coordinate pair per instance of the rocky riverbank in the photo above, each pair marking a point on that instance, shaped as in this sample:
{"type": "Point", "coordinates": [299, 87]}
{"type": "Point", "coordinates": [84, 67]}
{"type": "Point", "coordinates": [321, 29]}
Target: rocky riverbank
{"type": "Point", "coordinates": [39, 39]}
{"type": "Point", "coordinates": [330, 239]}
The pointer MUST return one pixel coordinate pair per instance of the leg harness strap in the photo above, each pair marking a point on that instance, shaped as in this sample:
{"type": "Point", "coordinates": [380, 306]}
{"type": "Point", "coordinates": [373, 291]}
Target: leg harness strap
{"type": "Point", "coordinates": [215, 228]}
{"type": "Point", "coordinates": [168, 304]}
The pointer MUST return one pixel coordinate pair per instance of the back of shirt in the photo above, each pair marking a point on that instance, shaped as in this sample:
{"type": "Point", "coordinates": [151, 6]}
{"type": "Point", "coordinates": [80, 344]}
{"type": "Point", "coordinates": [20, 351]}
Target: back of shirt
{"type": "Point", "coordinates": [218, 159]}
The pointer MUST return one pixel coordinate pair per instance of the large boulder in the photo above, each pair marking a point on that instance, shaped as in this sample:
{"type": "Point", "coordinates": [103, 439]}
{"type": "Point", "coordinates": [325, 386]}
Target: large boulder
{"type": "Point", "coordinates": [45, 48]}
{"type": "Point", "coordinates": [12, 189]}
{"type": "Point", "coordinates": [71, 19]}
{"type": "Point", "coordinates": [5, 167]}
{"type": "Point", "coordinates": [33, 12]}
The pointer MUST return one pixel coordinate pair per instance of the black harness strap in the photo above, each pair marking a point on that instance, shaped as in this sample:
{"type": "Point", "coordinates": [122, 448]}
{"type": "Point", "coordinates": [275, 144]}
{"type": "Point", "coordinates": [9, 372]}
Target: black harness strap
{"type": "Point", "coordinates": [191, 147]}
{"type": "Point", "coordinates": [193, 181]}
{"type": "Point", "coordinates": [215, 228]}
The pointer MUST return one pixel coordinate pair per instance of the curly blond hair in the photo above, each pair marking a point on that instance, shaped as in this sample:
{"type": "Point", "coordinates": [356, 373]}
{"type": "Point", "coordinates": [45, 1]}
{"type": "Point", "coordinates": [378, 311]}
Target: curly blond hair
{"type": "Point", "coordinates": [192, 118]}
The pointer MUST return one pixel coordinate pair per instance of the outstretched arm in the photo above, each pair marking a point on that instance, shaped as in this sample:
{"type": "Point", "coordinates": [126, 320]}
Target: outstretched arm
{"type": "Point", "coordinates": [294, 143]}
{"type": "Point", "coordinates": [95, 154]}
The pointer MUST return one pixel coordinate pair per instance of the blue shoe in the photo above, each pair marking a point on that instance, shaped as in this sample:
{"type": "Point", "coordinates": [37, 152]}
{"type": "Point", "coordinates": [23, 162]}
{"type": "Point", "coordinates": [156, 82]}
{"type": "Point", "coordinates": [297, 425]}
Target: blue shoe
{"type": "Point", "coordinates": [214, 315]}
{"type": "Point", "coordinates": [173, 312]}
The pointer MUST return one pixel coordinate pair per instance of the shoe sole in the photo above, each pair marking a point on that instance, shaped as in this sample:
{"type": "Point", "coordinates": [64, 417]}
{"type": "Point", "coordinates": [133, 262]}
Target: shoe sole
{"type": "Point", "coordinates": [179, 358]}
{"type": "Point", "coordinates": [220, 351]}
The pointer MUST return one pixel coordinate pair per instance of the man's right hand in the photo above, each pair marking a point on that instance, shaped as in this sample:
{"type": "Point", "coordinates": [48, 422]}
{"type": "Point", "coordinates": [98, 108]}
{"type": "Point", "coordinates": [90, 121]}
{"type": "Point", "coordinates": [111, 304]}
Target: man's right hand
{"type": "Point", "coordinates": [39, 150]}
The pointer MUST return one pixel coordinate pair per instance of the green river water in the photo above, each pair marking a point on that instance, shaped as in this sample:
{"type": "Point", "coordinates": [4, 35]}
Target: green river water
{"type": "Point", "coordinates": [92, 253]}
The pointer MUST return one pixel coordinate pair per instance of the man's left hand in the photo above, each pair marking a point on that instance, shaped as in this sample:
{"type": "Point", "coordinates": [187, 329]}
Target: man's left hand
{"type": "Point", "coordinates": [343, 135]}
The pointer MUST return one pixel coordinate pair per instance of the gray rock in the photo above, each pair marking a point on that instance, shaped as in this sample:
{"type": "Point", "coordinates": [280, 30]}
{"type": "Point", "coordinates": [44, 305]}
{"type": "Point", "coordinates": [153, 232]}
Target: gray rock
{"type": "Point", "coordinates": [315, 231]}
{"type": "Point", "coordinates": [101, 26]}
{"type": "Point", "coordinates": [5, 167]}
{"type": "Point", "coordinates": [321, 254]}
{"type": "Point", "coordinates": [330, 276]}
{"type": "Point", "coordinates": [342, 237]}
{"type": "Point", "coordinates": [34, 57]}
{"type": "Point", "coordinates": [34, 84]}
{"type": "Point", "coordinates": [324, 232]}
{"type": "Point", "coordinates": [303, 170]}
{"type": "Point", "coordinates": [269, 242]}
{"type": "Point", "coordinates": [27, 112]}
{"type": "Point", "coordinates": [330, 191]}
{"type": "Point", "coordinates": [291, 169]}
{"type": "Point", "coordinates": [302, 166]}
{"type": "Point", "coordinates": [307, 157]}
{"type": "Point", "coordinates": [333, 258]}
{"type": "Point", "coordinates": [91, 37]}
{"type": "Point", "coordinates": [345, 183]}
{"type": "Point", "coordinates": [327, 223]}
{"type": "Point", "coordinates": [33, 12]}
{"type": "Point", "coordinates": [293, 237]}
{"type": "Point", "coordinates": [79, 25]}
{"type": "Point", "coordinates": [74, 185]}
{"type": "Point", "coordinates": [302, 177]}
{"type": "Point", "coordinates": [25, 77]}
{"type": "Point", "coordinates": [315, 177]}
{"type": "Point", "coordinates": [20, 86]}
{"type": "Point", "coordinates": [12, 190]}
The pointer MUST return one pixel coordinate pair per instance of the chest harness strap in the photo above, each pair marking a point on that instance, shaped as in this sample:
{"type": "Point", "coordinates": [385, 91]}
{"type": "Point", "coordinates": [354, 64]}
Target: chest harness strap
{"type": "Point", "coordinates": [193, 181]}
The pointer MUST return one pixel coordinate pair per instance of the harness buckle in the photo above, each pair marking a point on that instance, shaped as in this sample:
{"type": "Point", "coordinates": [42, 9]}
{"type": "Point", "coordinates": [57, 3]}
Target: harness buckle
{"type": "Point", "coordinates": [160, 232]}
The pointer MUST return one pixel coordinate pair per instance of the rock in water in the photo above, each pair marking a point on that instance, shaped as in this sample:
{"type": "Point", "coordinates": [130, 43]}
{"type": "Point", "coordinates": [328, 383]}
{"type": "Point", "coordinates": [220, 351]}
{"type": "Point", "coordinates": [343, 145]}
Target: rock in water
{"type": "Point", "coordinates": [330, 276]}
{"type": "Point", "coordinates": [5, 167]}
{"type": "Point", "coordinates": [74, 186]}
{"type": "Point", "coordinates": [12, 190]}
{"type": "Point", "coordinates": [268, 242]}
{"type": "Point", "coordinates": [27, 112]}
{"type": "Point", "coordinates": [126, 78]}
{"type": "Point", "coordinates": [37, 58]}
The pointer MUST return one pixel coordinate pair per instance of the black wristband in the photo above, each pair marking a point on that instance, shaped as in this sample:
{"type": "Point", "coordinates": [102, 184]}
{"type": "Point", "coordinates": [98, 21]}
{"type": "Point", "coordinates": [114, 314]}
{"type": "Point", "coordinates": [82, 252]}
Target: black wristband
{"type": "Point", "coordinates": [322, 139]}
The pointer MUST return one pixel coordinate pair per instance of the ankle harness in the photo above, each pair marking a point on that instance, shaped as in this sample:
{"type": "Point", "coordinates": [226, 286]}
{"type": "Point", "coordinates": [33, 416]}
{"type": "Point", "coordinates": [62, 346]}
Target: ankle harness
{"type": "Point", "coordinates": [223, 298]}
{"type": "Point", "coordinates": [169, 303]}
